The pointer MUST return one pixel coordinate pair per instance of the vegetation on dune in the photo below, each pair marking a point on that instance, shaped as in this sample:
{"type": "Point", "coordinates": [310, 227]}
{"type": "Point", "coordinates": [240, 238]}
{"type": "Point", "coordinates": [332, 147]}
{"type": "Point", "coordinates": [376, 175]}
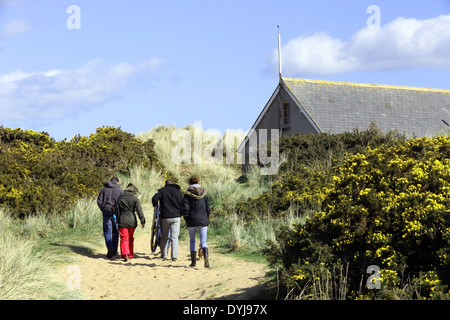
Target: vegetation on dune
{"type": "Point", "coordinates": [40, 175]}
{"type": "Point", "coordinates": [304, 170]}
{"type": "Point", "coordinates": [220, 179]}
{"type": "Point", "coordinates": [341, 208]}
{"type": "Point", "coordinates": [387, 207]}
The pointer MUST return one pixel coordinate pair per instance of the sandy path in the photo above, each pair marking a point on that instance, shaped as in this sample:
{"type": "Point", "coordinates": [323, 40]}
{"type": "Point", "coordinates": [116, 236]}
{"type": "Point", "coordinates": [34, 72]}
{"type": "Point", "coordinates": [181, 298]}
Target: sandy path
{"type": "Point", "coordinates": [147, 276]}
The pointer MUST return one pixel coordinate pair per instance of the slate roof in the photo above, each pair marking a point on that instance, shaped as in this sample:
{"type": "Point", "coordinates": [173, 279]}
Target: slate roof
{"type": "Point", "coordinates": [337, 107]}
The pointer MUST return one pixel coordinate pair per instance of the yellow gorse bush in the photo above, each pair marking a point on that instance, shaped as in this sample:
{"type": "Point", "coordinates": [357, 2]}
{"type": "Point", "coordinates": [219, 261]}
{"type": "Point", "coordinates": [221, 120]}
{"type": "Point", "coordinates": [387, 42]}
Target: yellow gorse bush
{"type": "Point", "coordinates": [40, 175]}
{"type": "Point", "coordinates": [388, 207]}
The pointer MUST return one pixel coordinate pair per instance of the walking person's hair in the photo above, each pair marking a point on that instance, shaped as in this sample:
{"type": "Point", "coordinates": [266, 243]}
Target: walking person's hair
{"type": "Point", "coordinates": [193, 180]}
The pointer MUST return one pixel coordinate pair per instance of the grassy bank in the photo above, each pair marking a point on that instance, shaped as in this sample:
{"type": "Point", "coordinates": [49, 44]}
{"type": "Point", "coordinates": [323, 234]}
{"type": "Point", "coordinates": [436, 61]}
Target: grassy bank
{"type": "Point", "coordinates": [32, 250]}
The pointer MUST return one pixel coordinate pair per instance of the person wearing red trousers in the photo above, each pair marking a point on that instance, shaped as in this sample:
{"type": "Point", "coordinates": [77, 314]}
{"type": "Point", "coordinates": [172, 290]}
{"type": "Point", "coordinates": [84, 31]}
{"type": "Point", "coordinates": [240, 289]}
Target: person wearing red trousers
{"type": "Point", "coordinates": [128, 205]}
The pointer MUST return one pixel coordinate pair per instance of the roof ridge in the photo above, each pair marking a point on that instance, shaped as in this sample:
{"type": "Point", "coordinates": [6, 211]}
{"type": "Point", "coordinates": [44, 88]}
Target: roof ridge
{"type": "Point", "coordinates": [368, 85]}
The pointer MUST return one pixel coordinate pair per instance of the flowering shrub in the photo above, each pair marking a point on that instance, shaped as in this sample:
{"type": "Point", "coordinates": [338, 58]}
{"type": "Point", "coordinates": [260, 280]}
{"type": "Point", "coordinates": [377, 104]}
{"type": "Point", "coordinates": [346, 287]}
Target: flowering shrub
{"type": "Point", "coordinates": [305, 171]}
{"type": "Point", "coordinates": [41, 175]}
{"type": "Point", "coordinates": [389, 207]}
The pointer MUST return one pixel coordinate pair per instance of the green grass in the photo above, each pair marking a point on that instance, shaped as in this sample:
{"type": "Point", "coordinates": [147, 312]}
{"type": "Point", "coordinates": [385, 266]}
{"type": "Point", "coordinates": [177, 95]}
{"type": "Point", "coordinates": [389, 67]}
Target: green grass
{"type": "Point", "coordinates": [247, 240]}
{"type": "Point", "coordinates": [34, 249]}
{"type": "Point", "coordinates": [26, 263]}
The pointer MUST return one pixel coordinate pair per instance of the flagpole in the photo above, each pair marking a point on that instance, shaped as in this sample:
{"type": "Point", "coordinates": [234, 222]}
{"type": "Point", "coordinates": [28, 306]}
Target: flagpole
{"type": "Point", "coordinates": [279, 51]}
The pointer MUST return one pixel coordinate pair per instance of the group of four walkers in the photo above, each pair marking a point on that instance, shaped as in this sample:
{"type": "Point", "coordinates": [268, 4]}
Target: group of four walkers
{"type": "Point", "coordinates": [119, 208]}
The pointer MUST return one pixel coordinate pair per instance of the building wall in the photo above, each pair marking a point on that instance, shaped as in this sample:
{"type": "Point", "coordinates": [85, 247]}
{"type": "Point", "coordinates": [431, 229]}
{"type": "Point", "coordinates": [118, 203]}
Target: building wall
{"type": "Point", "coordinates": [271, 120]}
{"type": "Point", "coordinates": [299, 122]}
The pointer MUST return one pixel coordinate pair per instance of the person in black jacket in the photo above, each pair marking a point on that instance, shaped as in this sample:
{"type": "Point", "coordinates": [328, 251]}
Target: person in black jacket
{"type": "Point", "coordinates": [106, 201]}
{"type": "Point", "coordinates": [128, 205]}
{"type": "Point", "coordinates": [169, 198]}
{"type": "Point", "coordinates": [195, 210]}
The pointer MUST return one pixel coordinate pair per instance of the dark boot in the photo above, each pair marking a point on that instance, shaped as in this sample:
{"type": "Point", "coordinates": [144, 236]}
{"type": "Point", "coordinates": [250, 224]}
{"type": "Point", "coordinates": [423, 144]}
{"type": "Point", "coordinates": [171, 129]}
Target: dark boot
{"type": "Point", "coordinates": [206, 256]}
{"type": "Point", "coordinates": [193, 258]}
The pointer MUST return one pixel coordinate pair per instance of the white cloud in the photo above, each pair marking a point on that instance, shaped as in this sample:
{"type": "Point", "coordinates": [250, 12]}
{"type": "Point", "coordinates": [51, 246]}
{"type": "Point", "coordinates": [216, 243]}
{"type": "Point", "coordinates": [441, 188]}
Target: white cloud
{"type": "Point", "coordinates": [401, 44]}
{"type": "Point", "coordinates": [15, 28]}
{"type": "Point", "coordinates": [57, 93]}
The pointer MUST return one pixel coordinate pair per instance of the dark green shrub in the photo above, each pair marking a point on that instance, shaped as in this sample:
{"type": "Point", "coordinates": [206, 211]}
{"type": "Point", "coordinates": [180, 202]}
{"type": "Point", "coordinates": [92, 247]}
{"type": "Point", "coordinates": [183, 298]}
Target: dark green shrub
{"type": "Point", "coordinates": [41, 175]}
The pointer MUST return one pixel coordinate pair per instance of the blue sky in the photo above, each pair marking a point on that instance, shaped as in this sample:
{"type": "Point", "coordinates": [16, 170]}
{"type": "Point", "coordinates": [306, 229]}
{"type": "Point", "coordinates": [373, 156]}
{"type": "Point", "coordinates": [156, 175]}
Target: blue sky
{"type": "Point", "coordinates": [138, 64]}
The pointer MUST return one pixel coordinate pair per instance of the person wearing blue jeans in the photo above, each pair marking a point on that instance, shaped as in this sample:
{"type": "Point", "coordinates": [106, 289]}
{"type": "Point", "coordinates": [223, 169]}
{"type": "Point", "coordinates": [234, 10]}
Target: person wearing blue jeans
{"type": "Point", "coordinates": [106, 201]}
{"type": "Point", "coordinates": [195, 210]}
{"type": "Point", "coordinates": [203, 232]}
{"type": "Point", "coordinates": [110, 233]}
